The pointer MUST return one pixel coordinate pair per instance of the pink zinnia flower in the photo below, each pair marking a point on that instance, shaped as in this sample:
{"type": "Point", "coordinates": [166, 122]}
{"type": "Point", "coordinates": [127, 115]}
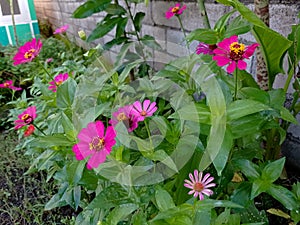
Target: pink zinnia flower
{"type": "Point", "coordinates": [26, 117]}
{"type": "Point", "coordinates": [62, 29]}
{"type": "Point", "coordinates": [175, 11]}
{"type": "Point", "coordinates": [30, 129]}
{"type": "Point", "coordinates": [231, 52]}
{"type": "Point", "coordinates": [125, 115]}
{"type": "Point", "coordinates": [141, 112]}
{"type": "Point", "coordinates": [94, 143]}
{"type": "Point", "coordinates": [8, 84]}
{"type": "Point", "coordinates": [27, 52]}
{"type": "Point", "coordinates": [199, 185]}
{"type": "Point", "coordinates": [58, 80]}
{"type": "Point", "coordinates": [205, 49]}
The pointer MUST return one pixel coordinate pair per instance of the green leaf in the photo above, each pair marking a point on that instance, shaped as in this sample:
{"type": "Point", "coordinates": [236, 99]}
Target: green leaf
{"type": "Point", "coordinates": [255, 94]}
{"type": "Point", "coordinates": [204, 35]}
{"type": "Point", "coordinates": [150, 42]}
{"type": "Point", "coordinates": [163, 200]}
{"type": "Point", "coordinates": [164, 158]}
{"type": "Point", "coordinates": [238, 26]}
{"type": "Point", "coordinates": [208, 204]}
{"type": "Point", "coordinates": [222, 21]}
{"type": "Point", "coordinates": [137, 21]}
{"type": "Point", "coordinates": [287, 115]}
{"type": "Point", "coordinates": [258, 187]}
{"type": "Point", "coordinates": [51, 140]}
{"type": "Point", "coordinates": [69, 128]}
{"type": "Point", "coordinates": [65, 94]}
{"type": "Point", "coordinates": [271, 172]}
{"type": "Point", "coordinates": [248, 168]}
{"type": "Point", "coordinates": [115, 9]}
{"type": "Point", "coordinates": [105, 26]}
{"type": "Point", "coordinates": [120, 213]}
{"type": "Point", "coordinates": [241, 108]}
{"type": "Point", "coordinates": [274, 47]}
{"type": "Point", "coordinates": [284, 196]}
{"type": "Point", "coordinates": [121, 26]}
{"type": "Point", "coordinates": [90, 7]}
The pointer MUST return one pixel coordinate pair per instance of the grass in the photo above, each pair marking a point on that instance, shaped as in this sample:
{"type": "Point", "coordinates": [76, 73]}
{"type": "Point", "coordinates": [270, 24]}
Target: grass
{"type": "Point", "coordinates": [22, 197]}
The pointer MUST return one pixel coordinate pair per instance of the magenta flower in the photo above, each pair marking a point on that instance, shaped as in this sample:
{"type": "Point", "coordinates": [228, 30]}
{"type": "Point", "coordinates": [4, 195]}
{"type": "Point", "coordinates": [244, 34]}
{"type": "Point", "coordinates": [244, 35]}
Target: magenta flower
{"type": "Point", "coordinates": [8, 84]}
{"type": "Point", "coordinates": [141, 112]}
{"type": "Point", "coordinates": [94, 143]}
{"type": "Point", "coordinates": [199, 185]}
{"type": "Point", "coordinates": [125, 114]}
{"type": "Point", "coordinates": [26, 117]}
{"type": "Point", "coordinates": [27, 52]}
{"type": "Point", "coordinates": [205, 49]}
{"type": "Point", "coordinates": [58, 80]}
{"type": "Point", "coordinates": [231, 52]}
{"type": "Point", "coordinates": [175, 11]}
{"type": "Point", "coordinates": [62, 29]}
{"type": "Point", "coordinates": [29, 131]}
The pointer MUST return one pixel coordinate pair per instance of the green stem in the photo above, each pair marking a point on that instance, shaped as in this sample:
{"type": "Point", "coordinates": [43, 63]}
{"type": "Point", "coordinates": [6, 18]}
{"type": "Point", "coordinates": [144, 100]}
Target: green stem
{"type": "Point", "coordinates": [149, 135]}
{"type": "Point", "coordinates": [41, 65]}
{"type": "Point", "coordinates": [39, 129]}
{"type": "Point", "coordinates": [183, 31]}
{"type": "Point", "coordinates": [203, 14]}
{"type": "Point", "coordinates": [235, 74]}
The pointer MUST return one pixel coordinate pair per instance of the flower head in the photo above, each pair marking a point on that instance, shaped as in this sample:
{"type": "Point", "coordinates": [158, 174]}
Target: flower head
{"type": "Point", "coordinates": [175, 11]}
{"type": "Point", "coordinates": [125, 115]}
{"type": "Point", "coordinates": [205, 49]}
{"type": "Point", "coordinates": [30, 129]}
{"type": "Point", "coordinates": [94, 143]}
{"type": "Point", "coordinates": [58, 80]}
{"type": "Point", "coordinates": [26, 117]}
{"type": "Point", "coordinates": [199, 185]}
{"type": "Point", "coordinates": [145, 110]}
{"type": "Point", "coordinates": [9, 84]}
{"type": "Point", "coordinates": [62, 29]}
{"type": "Point", "coordinates": [27, 52]}
{"type": "Point", "coordinates": [231, 52]}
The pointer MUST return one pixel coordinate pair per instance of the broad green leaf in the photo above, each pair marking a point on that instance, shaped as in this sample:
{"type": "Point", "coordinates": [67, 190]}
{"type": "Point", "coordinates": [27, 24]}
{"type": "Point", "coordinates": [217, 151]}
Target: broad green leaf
{"type": "Point", "coordinates": [56, 200]}
{"type": "Point", "coordinates": [90, 7]}
{"type": "Point", "coordinates": [248, 168]}
{"type": "Point", "coordinates": [65, 94]}
{"type": "Point", "coordinates": [222, 21]}
{"type": "Point", "coordinates": [287, 115]}
{"type": "Point", "coordinates": [105, 26]}
{"type": "Point", "coordinates": [115, 9]}
{"type": "Point", "coordinates": [237, 26]}
{"type": "Point", "coordinates": [284, 196]}
{"type": "Point", "coordinates": [163, 200]}
{"type": "Point", "coordinates": [222, 157]}
{"type": "Point", "coordinates": [77, 196]}
{"type": "Point", "coordinates": [139, 218]}
{"type": "Point", "coordinates": [51, 141]}
{"type": "Point", "coordinates": [202, 217]}
{"type": "Point", "coordinates": [274, 47]}
{"type": "Point", "coordinates": [255, 94]}
{"type": "Point", "coordinates": [259, 186]}
{"type": "Point", "coordinates": [164, 158]}
{"type": "Point", "coordinates": [271, 172]}
{"type": "Point", "coordinates": [204, 35]}
{"type": "Point", "coordinates": [69, 128]}
{"type": "Point", "coordinates": [208, 204]}
{"type": "Point", "coordinates": [294, 50]}
{"type": "Point", "coordinates": [137, 21]}
{"type": "Point", "coordinates": [241, 108]}
{"type": "Point", "coordinates": [121, 26]}
{"type": "Point", "coordinates": [120, 213]}
{"type": "Point", "coordinates": [150, 42]}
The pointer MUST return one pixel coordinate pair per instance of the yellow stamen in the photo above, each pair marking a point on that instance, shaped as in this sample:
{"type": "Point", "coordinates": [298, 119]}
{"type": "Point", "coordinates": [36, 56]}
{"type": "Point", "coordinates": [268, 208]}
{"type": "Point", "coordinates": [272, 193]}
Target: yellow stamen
{"type": "Point", "coordinates": [25, 117]}
{"type": "Point", "coordinates": [143, 113]}
{"type": "Point", "coordinates": [6, 84]}
{"type": "Point", "coordinates": [96, 144]}
{"type": "Point", "coordinates": [237, 48]}
{"type": "Point", "coordinates": [29, 53]}
{"type": "Point", "coordinates": [175, 9]}
{"type": "Point", "coordinates": [121, 117]}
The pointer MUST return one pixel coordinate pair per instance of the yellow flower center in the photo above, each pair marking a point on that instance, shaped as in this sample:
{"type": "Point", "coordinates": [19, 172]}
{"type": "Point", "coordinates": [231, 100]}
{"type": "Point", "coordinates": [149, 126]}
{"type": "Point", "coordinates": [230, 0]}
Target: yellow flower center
{"type": "Point", "coordinates": [29, 54]}
{"type": "Point", "coordinates": [198, 187]}
{"type": "Point", "coordinates": [175, 9]}
{"type": "Point", "coordinates": [143, 113]}
{"type": "Point", "coordinates": [58, 82]}
{"type": "Point", "coordinates": [236, 51]}
{"type": "Point", "coordinates": [25, 117]}
{"type": "Point", "coordinates": [97, 144]}
{"type": "Point", "coordinates": [6, 84]}
{"type": "Point", "coordinates": [121, 117]}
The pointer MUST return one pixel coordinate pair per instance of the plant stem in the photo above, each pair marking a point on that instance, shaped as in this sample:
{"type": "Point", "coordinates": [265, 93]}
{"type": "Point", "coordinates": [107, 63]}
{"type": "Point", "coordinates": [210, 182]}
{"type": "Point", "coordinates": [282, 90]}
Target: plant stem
{"type": "Point", "coordinates": [183, 31]}
{"type": "Point", "coordinates": [41, 65]}
{"type": "Point", "coordinates": [203, 14]}
{"type": "Point", "coordinates": [235, 75]}
{"type": "Point", "coordinates": [39, 129]}
{"type": "Point", "coordinates": [149, 135]}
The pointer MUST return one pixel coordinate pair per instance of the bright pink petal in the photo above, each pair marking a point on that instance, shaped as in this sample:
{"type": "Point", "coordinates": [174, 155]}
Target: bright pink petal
{"type": "Point", "coordinates": [231, 67]}
{"type": "Point", "coordinates": [181, 10]}
{"type": "Point", "coordinates": [250, 50]}
{"type": "Point", "coordinates": [138, 106]}
{"type": "Point", "coordinates": [96, 159]}
{"type": "Point", "coordinates": [169, 15]}
{"type": "Point", "coordinates": [99, 128]}
{"type": "Point", "coordinates": [146, 103]}
{"type": "Point", "coordinates": [221, 60]}
{"type": "Point", "coordinates": [241, 65]}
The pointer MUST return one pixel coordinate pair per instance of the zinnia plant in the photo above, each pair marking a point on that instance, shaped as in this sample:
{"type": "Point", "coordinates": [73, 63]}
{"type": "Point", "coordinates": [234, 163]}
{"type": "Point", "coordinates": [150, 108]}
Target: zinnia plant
{"type": "Point", "coordinates": [95, 142]}
{"type": "Point", "coordinates": [175, 11]}
{"type": "Point", "coordinates": [233, 53]}
{"type": "Point", "coordinates": [27, 52]}
{"type": "Point", "coordinates": [200, 185]}
{"type": "Point", "coordinates": [9, 84]}
{"type": "Point", "coordinates": [58, 80]}
{"type": "Point", "coordinates": [26, 117]}
{"type": "Point", "coordinates": [143, 110]}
